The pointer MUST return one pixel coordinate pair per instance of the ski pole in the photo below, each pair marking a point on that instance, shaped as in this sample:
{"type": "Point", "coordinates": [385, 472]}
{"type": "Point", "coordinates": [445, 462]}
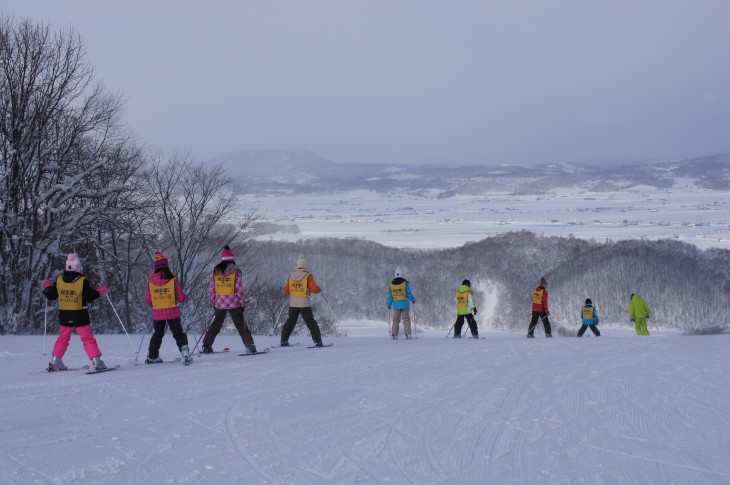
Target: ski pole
{"type": "Point", "coordinates": [190, 325]}
{"type": "Point", "coordinates": [415, 332]}
{"type": "Point", "coordinates": [276, 322]}
{"type": "Point", "coordinates": [143, 335]}
{"type": "Point", "coordinates": [120, 321]}
{"type": "Point", "coordinates": [328, 304]}
{"type": "Point", "coordinates": [45, 326]}
{"type": "Point", "coordinates": [452, 327]}
{"type": "Point", "coordinates": [202, 334]}
{"type": "Point", "coordinates": [390, 320]}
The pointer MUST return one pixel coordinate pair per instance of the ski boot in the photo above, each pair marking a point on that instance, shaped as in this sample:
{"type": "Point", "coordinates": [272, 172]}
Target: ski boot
{"type": "Point", "coordinates": [457, 335]}
{"type": "Point", "coordinates": [56, 364]}
{"type": "Point", "coordinates": [251, 350]}
{"type": "Point", "coordinates": [153, 360]}
{"type": "Point", "coordinates": [318, 343]}
{"type": "Point", "coordinates": [284, 343]}
{"type": "Point", "coordinates": [394, 337]}
{"type": "Point", "coordinates": [98, 364]}
{"type": "Point", "coordinates": [185, 352]}
{"type": "Point", "coordinates": [207, 349]}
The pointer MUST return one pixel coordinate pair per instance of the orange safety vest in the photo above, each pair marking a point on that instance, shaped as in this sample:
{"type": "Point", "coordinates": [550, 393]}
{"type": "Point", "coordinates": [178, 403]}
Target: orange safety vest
{"type": "Point", "coordinates": [163, 296]}
{"type": "Point", "coordinates": [70, 295]}
{"type": "Point", "coordinates": [398, 291]}
{"type": "Point", "coordinates": [298, 289]}
{"type": "Point", "coordinates": [225, 284]}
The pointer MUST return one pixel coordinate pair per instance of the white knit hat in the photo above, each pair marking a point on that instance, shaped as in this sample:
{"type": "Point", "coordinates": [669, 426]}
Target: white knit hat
{"type": "Point", "coordinates": [399, 272]}
{"type": "Point", "coordinates": [73, 263]}
{"type": "Point", "coordinates": [301, 262]}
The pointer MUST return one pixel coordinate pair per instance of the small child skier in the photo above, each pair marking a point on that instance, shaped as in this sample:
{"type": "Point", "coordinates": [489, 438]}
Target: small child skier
{"type": "Point", "coordinates": [465, 308]}
{"type": "Point", "coordinates": [73, 292]}
{"type": "Point", "coordinates": [163, 294]}
{"type": "Point", "coordinates": [399, 295]}
{"type": "Point", "coordinates": [589, 315]}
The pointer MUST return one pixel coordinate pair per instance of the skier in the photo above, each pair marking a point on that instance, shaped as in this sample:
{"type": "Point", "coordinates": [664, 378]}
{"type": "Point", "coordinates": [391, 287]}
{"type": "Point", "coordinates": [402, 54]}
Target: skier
{"type": "Point", "coordinates": [399, 294]}
{"type": "Point", "coordinates": [589, 315]}
{"type": "Point", "coordinates": [298, 287]}
{"type": "Point", "coordinates": [465, 307]}
{"type": "Point", "coordinates": [73, 292]}
{"type": "Point", "coordinates": [639, 312]}
{"type": "Point", "coordinates": [163, 294]}
{"type": "Point", "coordinates": [227, 297]}
{"type": "Point", "coordinates": [540, 309]}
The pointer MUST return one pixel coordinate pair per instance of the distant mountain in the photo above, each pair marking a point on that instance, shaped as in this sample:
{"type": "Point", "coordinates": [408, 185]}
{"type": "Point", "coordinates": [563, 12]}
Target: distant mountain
{"type": "Point", "coordinates": [301, 171]}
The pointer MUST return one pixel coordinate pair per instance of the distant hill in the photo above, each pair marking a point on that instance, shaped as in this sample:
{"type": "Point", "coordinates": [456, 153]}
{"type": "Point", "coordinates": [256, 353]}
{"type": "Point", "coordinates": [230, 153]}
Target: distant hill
{"type": "Point", "coordinates": [302, 171]}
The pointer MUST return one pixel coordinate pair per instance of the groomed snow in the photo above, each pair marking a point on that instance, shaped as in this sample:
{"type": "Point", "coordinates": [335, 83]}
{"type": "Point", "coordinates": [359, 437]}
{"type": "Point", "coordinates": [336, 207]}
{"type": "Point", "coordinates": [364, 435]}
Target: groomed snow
{"type": "Point", "coordinates": [502, 410]}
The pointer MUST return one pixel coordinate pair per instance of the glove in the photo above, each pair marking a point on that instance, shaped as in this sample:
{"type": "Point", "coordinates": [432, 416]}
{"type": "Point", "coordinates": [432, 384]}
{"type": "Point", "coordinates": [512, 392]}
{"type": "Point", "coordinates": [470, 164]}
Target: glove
{"type": "Point", "coordinates": [475, 311]}
{"type": "Point", "coordinates": [47, 284]}
{"type": "Point", "coordinates": [648, 317]}
{"type": "Point", "coordinates": [102, 289]}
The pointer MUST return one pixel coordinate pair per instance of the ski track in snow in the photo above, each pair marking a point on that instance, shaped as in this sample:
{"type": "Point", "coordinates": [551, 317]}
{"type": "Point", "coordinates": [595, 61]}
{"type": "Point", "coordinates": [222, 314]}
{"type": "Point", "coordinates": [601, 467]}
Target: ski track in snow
{"type": "Point", "coordinates": [503, 410]}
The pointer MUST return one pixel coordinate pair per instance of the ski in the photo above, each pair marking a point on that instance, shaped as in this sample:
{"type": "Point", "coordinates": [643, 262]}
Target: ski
{"type": "Point", "coordinates": [315, 347]}
{"type": "Point", "coordinates": [49, 370]}
{"type": "Point", "coordinates": [174, 361]}
{"type": "Point", "coordinates": [265, 351]}
{"type": "Point", "coordinates": [215, 352]}
{"type": "Point", "coordinates": [285, 346]}
{"type": "Point", "coordinates": [99, 371]}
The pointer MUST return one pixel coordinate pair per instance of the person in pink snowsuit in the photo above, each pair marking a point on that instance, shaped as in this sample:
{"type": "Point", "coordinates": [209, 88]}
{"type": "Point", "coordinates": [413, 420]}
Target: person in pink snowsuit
{"type": "Point", "coordinates": [73, 292]}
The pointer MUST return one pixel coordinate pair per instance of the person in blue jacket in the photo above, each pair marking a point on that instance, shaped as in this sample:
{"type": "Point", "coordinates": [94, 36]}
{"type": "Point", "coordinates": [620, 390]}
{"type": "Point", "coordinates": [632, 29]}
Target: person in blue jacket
{"type": "Point", "coordinates": [589, 315]}
{"type": "Point", "coordinates": [399, 294]}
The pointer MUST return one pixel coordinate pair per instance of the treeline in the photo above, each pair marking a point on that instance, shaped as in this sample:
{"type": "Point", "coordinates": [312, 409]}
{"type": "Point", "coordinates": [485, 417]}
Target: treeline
{"type": "Point", "coordinates": [686, 288]}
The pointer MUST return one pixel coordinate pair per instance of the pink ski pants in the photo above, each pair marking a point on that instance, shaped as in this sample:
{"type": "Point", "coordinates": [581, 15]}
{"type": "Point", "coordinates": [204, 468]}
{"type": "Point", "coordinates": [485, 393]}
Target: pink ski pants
{"type": "Point", "coordinates": [87, 338]}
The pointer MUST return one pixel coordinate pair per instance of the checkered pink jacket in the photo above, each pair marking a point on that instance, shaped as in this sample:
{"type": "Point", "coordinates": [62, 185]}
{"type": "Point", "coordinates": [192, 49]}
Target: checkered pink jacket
{"type": "Point", "coordinates": [165, 313]}
{"type": "Point", "coordinates": [226, 302]}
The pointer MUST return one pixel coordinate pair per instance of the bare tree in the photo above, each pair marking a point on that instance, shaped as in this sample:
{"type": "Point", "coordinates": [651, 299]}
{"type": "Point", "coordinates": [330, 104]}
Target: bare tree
{"type": "Point", "coordinates": [60, 139]}
{"type": "Point", "coordinates": [195, 218]}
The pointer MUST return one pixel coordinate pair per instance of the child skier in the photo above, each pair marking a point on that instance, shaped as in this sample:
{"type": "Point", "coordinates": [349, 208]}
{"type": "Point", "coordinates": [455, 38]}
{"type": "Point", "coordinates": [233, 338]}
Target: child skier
{"type": "Point", "coordinates": [639, 312]}
{"type": "Point", "coordinates": [163, 294]}
{"type": "Point", "coordinates": [465, 308]}
{"type": "Point", "coordinates": [589, 315]}
{"type": "Point", "coordinates": [227, 297]}
{"type": "Point", "coordinates": [299, 286]}
{"type": "Point", "coordinates": [73, 292]}
{"type": "Point", "coordinates": [399, 294]}
{"type": "Point", "coordinates": [540, 309]}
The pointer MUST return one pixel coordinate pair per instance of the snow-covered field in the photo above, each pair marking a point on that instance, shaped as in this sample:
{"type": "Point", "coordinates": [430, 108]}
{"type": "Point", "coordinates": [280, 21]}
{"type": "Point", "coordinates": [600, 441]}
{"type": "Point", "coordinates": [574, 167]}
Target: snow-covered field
{"type": "Point", "coordinates": [683, 213]}
{"type": "Point", "coordinates": [619, 409]}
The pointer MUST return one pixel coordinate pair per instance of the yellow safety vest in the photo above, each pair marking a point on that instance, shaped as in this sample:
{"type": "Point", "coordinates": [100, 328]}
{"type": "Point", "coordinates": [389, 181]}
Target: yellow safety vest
{"type": "Point", "coordinates": [225, 284]}
{"type": "Point", "coordinates": [462, 302]}
{"type": "Point", "coordinates": [70, 295]}
{"type": "Point", "coordinates": [298, 289]}
{"type": "Point", "coordinates": [163, 296]}
{"type": "Point", "coordinates": [537, 296]}
{"type": "Point", "coordinates": [398, 291]}
{"type": "Point", "coordinates": [587, 312]}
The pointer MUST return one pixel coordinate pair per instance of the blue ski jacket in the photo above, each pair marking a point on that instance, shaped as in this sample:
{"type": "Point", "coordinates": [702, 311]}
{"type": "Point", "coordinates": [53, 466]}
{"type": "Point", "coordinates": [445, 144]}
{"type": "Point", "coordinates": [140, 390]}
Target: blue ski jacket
{"type": "Point", "coordinates": [589, 321]}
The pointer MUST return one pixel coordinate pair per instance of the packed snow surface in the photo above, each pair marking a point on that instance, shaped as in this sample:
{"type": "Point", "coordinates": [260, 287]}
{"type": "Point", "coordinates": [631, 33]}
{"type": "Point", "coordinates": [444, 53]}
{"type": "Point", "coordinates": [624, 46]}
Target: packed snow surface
{"type": "Point", "coordinates": [619, 409]}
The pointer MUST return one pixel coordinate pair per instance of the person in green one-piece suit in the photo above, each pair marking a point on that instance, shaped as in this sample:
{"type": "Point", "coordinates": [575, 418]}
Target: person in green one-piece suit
{"type": "Point", "coordinates": [639, 312]}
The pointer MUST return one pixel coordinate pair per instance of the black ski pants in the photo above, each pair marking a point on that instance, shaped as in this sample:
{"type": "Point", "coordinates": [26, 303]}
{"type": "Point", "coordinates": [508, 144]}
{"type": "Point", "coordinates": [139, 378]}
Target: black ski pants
{"type": "Point", "coordinates": [545, 322]}
{"type": "Point", "coordinates": [308, 317]}
{"type": "Point", "coordinates": [460, 323]}
{"type": "Point", "coordinates": [593, 328]}
{"type": "Point", "coordinates": [180, 337]}
{"type": "Point", "coordinates": [219, 317]}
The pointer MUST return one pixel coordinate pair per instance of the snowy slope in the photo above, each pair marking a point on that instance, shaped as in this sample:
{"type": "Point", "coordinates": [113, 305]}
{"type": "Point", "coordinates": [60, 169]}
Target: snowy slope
{"type": "Point", "coordinates": [502, 410]}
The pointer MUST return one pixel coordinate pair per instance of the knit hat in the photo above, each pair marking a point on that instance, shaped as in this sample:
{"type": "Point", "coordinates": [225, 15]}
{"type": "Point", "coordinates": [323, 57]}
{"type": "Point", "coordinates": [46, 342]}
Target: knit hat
{"type": "Point", "coordinates": [543, 281]}
{"type": "Point", "coordinates": [227, 255]}
{"type": "Point", "coordinates": [399, 272]}
{"type": "Point", "coordinates": [301, 262]}
{"type": "Point", "coordinates": [466, 283]}
{"type": "Point", "coordinates": [588, 301]}
{"type": "Point", "coordinates": [159, 260]}
{"type": "Point", "coordinates": [73, 263]}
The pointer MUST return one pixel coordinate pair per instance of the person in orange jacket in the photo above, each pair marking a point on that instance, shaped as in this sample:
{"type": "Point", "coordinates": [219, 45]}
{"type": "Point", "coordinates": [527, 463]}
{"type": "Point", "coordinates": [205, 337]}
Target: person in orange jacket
{"type": "Point", "coordinates": [540, 309]}
{"type": "Point", "coordinates": [299, 286]}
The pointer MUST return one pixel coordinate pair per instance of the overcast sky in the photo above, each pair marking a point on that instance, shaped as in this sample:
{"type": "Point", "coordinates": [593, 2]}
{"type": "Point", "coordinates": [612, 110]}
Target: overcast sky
{"type": "Point", "coordinates": [414, 81]}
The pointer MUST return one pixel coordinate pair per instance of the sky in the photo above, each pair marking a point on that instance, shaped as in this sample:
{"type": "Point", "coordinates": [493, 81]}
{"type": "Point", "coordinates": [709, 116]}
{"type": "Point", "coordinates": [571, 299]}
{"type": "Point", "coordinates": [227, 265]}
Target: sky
{"type": "Point", "coordinates": [414, 81]}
